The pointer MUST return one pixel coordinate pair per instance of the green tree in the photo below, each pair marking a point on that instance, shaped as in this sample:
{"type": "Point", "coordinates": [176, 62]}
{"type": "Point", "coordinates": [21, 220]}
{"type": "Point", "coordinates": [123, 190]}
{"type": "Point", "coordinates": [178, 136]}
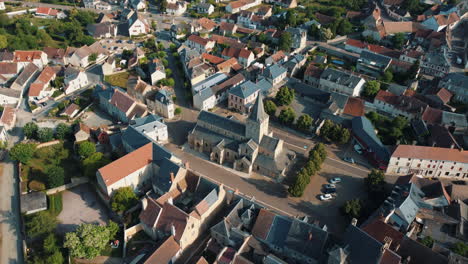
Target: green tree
{"type": "Point", "coordinates": [304, 122]}
{"type": "Point", "coordinates": [287, 116]}
{"type": "Point", "coordinates": [375, 182]}
{"type": "Point", "coordinates": [342, 27]}
{"type": "Point", "coordinates": [50, 244]}
{"type": "Point", "coordinates": [22, 152]}
{"type": "Point", "coordinates": [371, 88]}
{"type": "Point", "coordinates": [30, 130]}
{"type": "Point", "coordinates": [123, 199]}
{"type": "Point", "coordinates": [87, 241]}
{"type": "Point", "coordinates": [113, 229]}
{"type": "Point", "coordinates": [291, 18]}
{"type": "Point", "coordinates": [352, 208]}
{"type": "Point", "coordinates": [345, 136]}
{"type": "Point", "coordinates": [327, 33]}
{"type": "Point", "coordinates": [298, 187]}
{"type": "Point", "coordinates": [461, 249]}
{"type": "Point", "coordinates": [284, 96]}
{"type": "Point", "coordinates": [86, 149]}
{"type": "Point", "coordinates": [314, 32]}
{"type": "Point", "coordinates": [398, 39]}
{"type": "Point", "coordinates": [153, 25]}
{"type": "Point", "coordinates": [428, 241]}
{"type": "Point", "coordinates": [387, 76]}
{"type": "Point", "coordinates": [55, 258]}
{"type": "Point", "coordinates": [270, 107]}
{"type": "Point", "coordinates": [94, 162]}
{"type": "Point", "coordinates": [413, 70]}
{"type": "Point", "coordinates": [55, 176]}
{"type": "Point", "coordinates": [92, 57]}
{"type": "Point", "coordinates": [320, 149]}
{"type": "Point", "coordinates": [62, 131]}
{"type": "Point", "coordinates": [285, 41]}
{"type": "Point", "coordinates": [45, 134]}
{"type": "Point", "coordinates": [3, 42]}
{"type": "Point", "coordinates": [178, 111]}
{"type": "Point", "coordinates": [40, 223]}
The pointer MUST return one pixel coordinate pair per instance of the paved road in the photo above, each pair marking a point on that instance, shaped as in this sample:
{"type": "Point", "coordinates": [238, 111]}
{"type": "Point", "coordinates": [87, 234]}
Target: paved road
{"type": "Point", "coordinates": [10, 226]}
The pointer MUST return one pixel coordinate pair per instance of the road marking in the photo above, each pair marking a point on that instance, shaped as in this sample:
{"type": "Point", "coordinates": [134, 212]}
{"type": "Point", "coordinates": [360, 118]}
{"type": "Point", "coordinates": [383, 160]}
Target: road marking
{"type": "Point", "coordinates": [344, 163]}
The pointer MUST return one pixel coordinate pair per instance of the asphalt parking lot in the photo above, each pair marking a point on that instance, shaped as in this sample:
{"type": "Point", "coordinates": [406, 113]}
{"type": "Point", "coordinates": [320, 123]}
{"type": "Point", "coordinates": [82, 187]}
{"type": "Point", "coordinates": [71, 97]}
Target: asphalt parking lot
{"type": "Point", "coordinates": [81, 205]}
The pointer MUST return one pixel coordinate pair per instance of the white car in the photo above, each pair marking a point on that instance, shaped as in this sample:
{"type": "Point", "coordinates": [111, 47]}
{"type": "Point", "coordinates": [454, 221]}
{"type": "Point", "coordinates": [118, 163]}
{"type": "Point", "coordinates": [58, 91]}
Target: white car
{"type": "Point", "coordinates": [358, 149]}
{"type": "Point", "coordinates": [335, 180]}
{"type": "Point", "coordinates": [326, 197]}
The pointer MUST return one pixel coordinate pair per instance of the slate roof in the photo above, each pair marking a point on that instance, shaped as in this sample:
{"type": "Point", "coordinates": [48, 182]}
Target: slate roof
{"type": "Point", "coordinates": [258, 112]}
{"type": "Point", "coordinates": [340, 77]}
{"type": "Point", "coordinates": [26, 74]}
{"type": "Point", "coordinates": [210, 81]}
{"type": "Point", "coordinates": [419, 253]}
{"type": "Point", "coordinates": [274, 71]}
{"type": "Point", "coordinates": [227, 84]}
{"type": "Point", "coordinates": [222, 122]}
{"type": "Point", "coordinates": [363, 248]}
{"type": "Point", "coordinates": [33, 201]}
{"type": "Point", "coordinates": [364, 130]}
{"type": "Point", "coordinates": [8, 68]}
{"type": "Point", "coordinates": [244, 90]}
{"type": "Point", "coordinates": [269, 143]}
{"type": "Point", "coordinates": [373, 57]}
{"type": "Point", "coordinates": [262, 224]}
{"type": "Point", "coordinates": [162, 179]}
{"type": "Point", "coordinates": [10, 92]}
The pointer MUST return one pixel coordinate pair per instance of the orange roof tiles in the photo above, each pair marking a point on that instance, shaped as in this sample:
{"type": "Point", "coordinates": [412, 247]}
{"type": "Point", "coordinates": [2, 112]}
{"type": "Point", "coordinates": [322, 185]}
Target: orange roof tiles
{"type": "Point", "coordinates": [356, 43]}
{"type": "Point", "coordinates": [8, 116]}
{"type": "Point", "coordinates": [263, 223]}
{"type": "Point", "coordinates": [444, 95]}
{"type": "Point", "coordinates": [46, 75]}
{"type": "Point", "coordinates": [165, 253]}
{"type": "Point", "coordinates": [170, 217]}
{"type": "Point", "coordinates": [212, 59]}
{"type": "Point", "coordinates": [379, 230]}
{"type": "Point", "coordinates": [354, 107]}
{"type": "Point", "coordinates": [35, 89]}
{"type": "Point", "coordinates": [206, 23]}
{"type": "Point", "coordinates": [127, 164]}
{"type": "Point", "coordinates": [431, 153]}
{"type": "Point", "coordinates": [27, 56]}
{"type": "Point", "coordinates": [198, 40]}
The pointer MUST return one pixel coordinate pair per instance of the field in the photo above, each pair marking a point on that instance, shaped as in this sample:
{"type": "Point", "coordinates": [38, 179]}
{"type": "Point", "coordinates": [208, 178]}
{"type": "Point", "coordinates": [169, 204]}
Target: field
{"type": "Point", "coordinates": [118, 79]}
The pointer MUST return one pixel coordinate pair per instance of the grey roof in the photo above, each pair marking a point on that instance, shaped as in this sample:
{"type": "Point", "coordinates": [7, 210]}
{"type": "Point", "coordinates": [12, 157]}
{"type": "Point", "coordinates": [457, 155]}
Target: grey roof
{"type": "Point", "coordinates": [204, 5]}
{"type": "Point", "coordinates": [363, 248]}
{"type": "Point", "coordinates": [145, 120]}
{"type": "Point", "coordinates": [295, 31]}
{"type": "Point", "coordinates": [454, 119]}
{"type": "Point", "coordinates": [244, 90]}
{"type": "Point", "coordinates": [264, 85]}
{"type": "Point", "coordinates": [456, 79]}
{"type": "Point", "coordinates": [26, 74]}
{"type": "Point", "coordinates": [375, 59]}
{"type": "Point", "coordinates": [210, 81]}
{"type": "Point", "coordinates": [258, 112]}
{"type": "Point", "coordinates": [364, 130]}
{"type": "Point", "coordinates": [100, 29]}
{"type": "Point", "coordinates": [10, 92]}
{"type": "Point", "coordinates": [274, 71]}
{"type": "Point", "coordinates": [134, 138]}
{"type": "Point", "coordinates": [339, 99]}
{"type": "Point", "coordinates": [215, 138]}
{"type": "Point", "coordinates": [205, 94]}
{"type": "Point", "coordinates": [163, 96]}
{"type": "Point", "coordinates": [269, 143]}
{"type": "Point", "coordinates": [162, 180]}
{"type": "Point", "coordinates": [340, 77]}
{"type": "Point", "coordinates": [33, 201]}
{"type": "Point", "coordinates": [223, 122]}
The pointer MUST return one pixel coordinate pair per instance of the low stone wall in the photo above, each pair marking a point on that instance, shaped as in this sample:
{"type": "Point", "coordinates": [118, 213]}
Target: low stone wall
{"type": "Point", "coordinates": [129, 232]}
{"type": "Point", "coordinates": [47, 144]}
{"type": "Point", "coordinates": [74, 182]}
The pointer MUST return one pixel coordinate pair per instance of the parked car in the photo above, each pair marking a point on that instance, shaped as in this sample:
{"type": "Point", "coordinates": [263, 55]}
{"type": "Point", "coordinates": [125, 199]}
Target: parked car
{"type": "Point", "coordinates": [329, 191]}
{"type": "Point", "coordinates": [330, 186]}
{"type": "Point", "coordinates": [326, 197]}
{"type": "Point", "coordinates": [335, 180]}
{"type": "Point", "coordinates": [358, 149]}
{"type": "Point", "coordinates": [349, 159]}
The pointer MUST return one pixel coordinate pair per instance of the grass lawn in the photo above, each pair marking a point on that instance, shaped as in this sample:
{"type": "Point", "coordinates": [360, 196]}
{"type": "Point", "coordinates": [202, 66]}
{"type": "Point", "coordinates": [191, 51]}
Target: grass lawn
{"type": "Point", "coordinates": [57, 155]}
{"type": "Point", "coordinates": [55, 204]}
{"type": "Point", "coordinates": [118, 79]}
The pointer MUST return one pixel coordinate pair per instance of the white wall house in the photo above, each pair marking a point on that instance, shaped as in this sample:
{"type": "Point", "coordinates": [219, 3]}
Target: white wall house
{"type": "Point", "coordinates": [333, 80]}
{"type": "Point", "coordinates": [204, 99]}
{"type": "Point", "coordinates": [429, 162]}
{"type": "Point", "coordinates": [75, 81]}
{"type": "Point", "coordinates": [137, 25]}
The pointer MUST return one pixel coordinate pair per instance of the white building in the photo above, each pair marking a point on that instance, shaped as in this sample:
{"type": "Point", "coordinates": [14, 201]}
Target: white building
{"type": "Point", "coordinates": [137, 25]}
{"type": "Point", "coordinates": [239, 5]}
{"type": "Point", "coordinates": [200, 44]}
{"type": "Point", "coordinates": [176, 8]}
{"type": "Point", "coordinates": [161, 104]}
{"type": "Point", "coordinates": [156, 71]}
{"type": "Point", "coordinates": [2, 5]}
{"type": "Point", "coordinates": [74, 80]}
{"type": "Point", "coordinates": [205, 8]}
{"type": "Point", "coordinates": [24, 57]}
{"type": "Point", "coordinates": [333, 80]}
{"type": "Point", "coordinates": [429, 162]}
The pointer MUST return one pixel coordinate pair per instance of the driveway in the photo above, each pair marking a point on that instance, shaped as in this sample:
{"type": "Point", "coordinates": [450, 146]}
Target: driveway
{"type": "Point", "coordinates": [96, 118]}
{"type": "Point", "coordinates": [81, 205]}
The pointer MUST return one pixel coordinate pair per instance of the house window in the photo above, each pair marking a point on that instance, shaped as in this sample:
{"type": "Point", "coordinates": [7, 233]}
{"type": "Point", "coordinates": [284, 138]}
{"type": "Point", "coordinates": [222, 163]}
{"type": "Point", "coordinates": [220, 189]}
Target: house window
{"type": "Point", "coordinates": [419, 165]}
{"type": "Point", "coordinates": [396, 163]}
{"type": "Point", "coordinates": [447, 173]}
{"type": "Point", "coordinates": [458, 174]}
{"type": "Point", "coordinates": [430, 172]}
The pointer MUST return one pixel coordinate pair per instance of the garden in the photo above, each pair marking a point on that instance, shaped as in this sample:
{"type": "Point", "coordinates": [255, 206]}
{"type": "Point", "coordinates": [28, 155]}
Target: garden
{"type": "Point", "coordinates": [118, 79]}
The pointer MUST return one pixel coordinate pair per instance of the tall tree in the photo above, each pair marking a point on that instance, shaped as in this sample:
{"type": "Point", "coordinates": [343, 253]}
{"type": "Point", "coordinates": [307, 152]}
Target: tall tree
{"type": "Point", "coordinates": [270, 107]}
{"type": "Point", "coordinates": [87, 241]}
{"type": "Point", "coordinates": [45, 134]}
{"type": "Point", "coordinates": [375, 182]}
{"type": "Point", "coordinates": [40, 223]}
{"type": "Point", "coordinates": [304, 122]}
{"type": "Point", "coordinates": [30, 130]}
{"type": "Point", "coordinates": [55, 176]}
{"type": "Point", "coordinates": [86, 149]}
{"type": "Point", "coordinates": [123, 199]}
{"type": "Point", "coordinates": [287, 116]}
{"type": "Point", "coordinates": [285, 41]}
{"type": "Point", "coordinates": [22, 152]}
{"type": "Point", "coordinates": [371, 88]}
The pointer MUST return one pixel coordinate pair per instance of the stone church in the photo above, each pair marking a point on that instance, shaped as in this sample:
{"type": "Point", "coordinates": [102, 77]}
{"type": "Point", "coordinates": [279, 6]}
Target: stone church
{"type": "Point", "coordinates": [248, 146]}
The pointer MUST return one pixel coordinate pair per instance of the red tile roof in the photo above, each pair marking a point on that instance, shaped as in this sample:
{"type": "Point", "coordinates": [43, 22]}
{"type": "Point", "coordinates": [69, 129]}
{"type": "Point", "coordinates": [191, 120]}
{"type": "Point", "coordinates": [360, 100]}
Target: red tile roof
{"type": "Point", "coordinates": [354, 107]}
{"type": "Point", "coordinates": [206, 23]}
{"type": "Point", "coordinates": [122, 101]}
{"type": "Point", "coordinates": [444, 95]}
{"type": "Point", "coordinates": [432, 115]}
{"type": "Point", "coordinates": [8, 68]}
{"type": "Point", "coordinates": [35, 89]}
{"type": "Point", "coordinates": [121, 168]}
{"type": "Point", "coordinates": [198, 40]}
{"type": "Point", "coordinates": [379, 230]}
{"type": "Point", "coordinates": [386, 97]}
{"type": "Point", "coordinates": [172, 216]}
{"type": "Point", "coordinates": [229, 27]}
{"type": "Point", "coordinates": [263, 223]}
{"type": "Point", "coordinates": [356, 43]}
{"type": "Point", "coordinates": [431, 153]}
{"type": "Point", "coordinates": [212, 59]}
{"type": "Point", "coordinates": [27, 56]}
{"type": "Point", "coordinates": [71, 109]}
{"type": "Point", "coordinates": [8, 116]}
{"type": "Point", "coordinates": [313, 71]}
{"type": "Point", "coordinates": [151, 213]}
{"type": "Point", "coordinates": [165, 253]}
{"type": "Point", "coordinates": [46, 11]}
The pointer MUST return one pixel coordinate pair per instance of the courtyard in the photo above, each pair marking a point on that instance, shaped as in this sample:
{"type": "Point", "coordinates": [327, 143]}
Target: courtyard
{"type": "Point", "coordinates": [81, 205]}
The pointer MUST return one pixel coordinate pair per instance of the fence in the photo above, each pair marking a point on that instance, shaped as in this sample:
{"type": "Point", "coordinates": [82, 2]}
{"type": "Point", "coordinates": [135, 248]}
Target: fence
{"type": "Point", "coordinates": [74, 182]}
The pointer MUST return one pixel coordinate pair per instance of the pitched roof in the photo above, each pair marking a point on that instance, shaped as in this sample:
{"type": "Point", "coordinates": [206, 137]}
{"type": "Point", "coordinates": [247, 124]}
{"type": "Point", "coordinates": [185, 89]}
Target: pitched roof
{"type": "Point", "coordinates": [26, 74]}
{"type": "Point", "coordinates": [228, 64]}
{"type": "Point", "coordinates": [71, 109]}
{"type": "Point", "coordinates": [380, 230]}
{"type": "Point", "coordinates": [226, 26]}
{"type": "Point", "coordinates": [8, 115]}
{"type": "Point", "coordinates": [8, 68]}
{"type": "Point", "coordinates": [364, 130]}
{"type": "Point", "coordinates": [419, 253]}
{"type": "Point", "coordinates": [206, 23]}
{"type": "Point", "coordinates": [150, 214]}
{"type": "Point", "coordinates": [27, 55]}
{"type": "Point", "coordinates": [46, 11]}
{"type": "Point", "coordinates": [121, 168]}
{"type": "Point", "coordinates": [258, 112]}
{"type": "Point", "coordinates": [244, 90]}
{"type": "Point", "coordinates": [122, 101]}
{"type": "Point", "coordinates": [165, 253]}
{"type": "Point", "coordinates": [238, 78]}
{"type": "Point", "coordinates": [212, 59]}
{"type": "Point", "coordinates": [172, 217]}
{"type": "Point", "coordinates": [324, 19]}
{"type": "Point", "coordinates": [35, 89]}
{"type": "Point", "coordinates": [262, 224]}
{"type": "Point", "coordinates": [444, 95]}
{"type": "Point", "coordinates": [431, 153]}
{"type": "Point", "coordinates": [354, 107]}
{"type": "Point", "coordinates": [363, 248]}
{"type": "Point", "coordinates": [313, 71]}
{"type": "Point", "coordinates": [199, 40]}
{"type": "Point", "coordinates": [222, 122]}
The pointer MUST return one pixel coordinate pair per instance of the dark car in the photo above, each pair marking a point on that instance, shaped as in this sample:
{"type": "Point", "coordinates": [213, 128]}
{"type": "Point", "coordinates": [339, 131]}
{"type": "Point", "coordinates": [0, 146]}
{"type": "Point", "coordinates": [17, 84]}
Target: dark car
{"type": "Point", "coordinates": [330, 190]}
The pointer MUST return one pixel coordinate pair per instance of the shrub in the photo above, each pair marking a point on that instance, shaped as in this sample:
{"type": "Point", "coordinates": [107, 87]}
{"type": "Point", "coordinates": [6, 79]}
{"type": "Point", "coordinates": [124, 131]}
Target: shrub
{"type": "Point", "coordinates": [287, 116]}
{"type": "Point", "coordinates": [22, 152]}
{"type": "Point", "coordinates": [178, 111]}
{"type": "Point", "coordinates": [86, 149]}
{"type": "Point", "coordinates": [352, 208]}
{"type": "Point", "coordinates": [270, 107]}
{"type": "Point", "coordinates": [123, 199]}
{"type": "Point", "coordinates": [55, 176]}
{"type": "Point", "coordinates": [40, 223]}
{"type": "Point", "coordinates": [45, 134]}
{"type": "Point", "coordinates": [284, 96]}
{"type": "Point", "coordinates": [36, 185]}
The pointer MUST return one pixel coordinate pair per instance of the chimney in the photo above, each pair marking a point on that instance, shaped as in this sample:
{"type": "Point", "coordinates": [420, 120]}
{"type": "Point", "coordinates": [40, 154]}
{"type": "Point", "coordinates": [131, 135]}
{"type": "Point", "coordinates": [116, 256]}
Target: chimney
{"type": "Point", "coordinates": [354, 221]}
{"type": "Point", "coordinates": [172, 177]}
{"type": "Point", "coordinates": [173, 231]}
{"type": "Point", "coordinates": [144, 203]}
{"type": "Point", "coordinates": [187, 165]}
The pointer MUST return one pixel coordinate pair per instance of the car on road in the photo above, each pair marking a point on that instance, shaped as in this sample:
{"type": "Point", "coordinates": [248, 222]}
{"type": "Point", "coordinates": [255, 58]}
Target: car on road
{"type": "Point", "coordinates": [326, 197]}
{"type": "Point", "coordinates": [358, 149]}
{"type": "Point", "coordinates": [335, 180]}
{"type": "Point", "coordinates": [349, 159]}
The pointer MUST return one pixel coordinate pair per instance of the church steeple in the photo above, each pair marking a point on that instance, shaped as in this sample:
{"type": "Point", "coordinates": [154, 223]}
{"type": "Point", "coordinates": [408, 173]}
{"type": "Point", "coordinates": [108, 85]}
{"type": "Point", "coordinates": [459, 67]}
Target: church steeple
{"type": "Point", "coordinates": [257, 123]}
{"type": "Point", "coordinates": [258, 112]}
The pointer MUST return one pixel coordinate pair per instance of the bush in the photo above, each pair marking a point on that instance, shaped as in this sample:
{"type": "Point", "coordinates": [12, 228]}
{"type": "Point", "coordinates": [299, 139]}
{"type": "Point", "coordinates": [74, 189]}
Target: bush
{"type": "Point", "coordinates": [123, 199]}
{"type": "Point", "coordinates": [334, 132]}
{"type": "Point", "coordinates": [40, 223]}
{"type": "Point", "coordinates": [22, 152]}
{"type": "Point", "coordinates": [55, 203]}
{"type": "Point", "coordinates": [36, 185]}
{"type": "Point", "coordinates": [62, 131]}
{"type": "Point", "coordinates": [86, 149]}
{"type": "Point", "coordinates": [45, 134]}
{"type": "Point", "coordinates": [30, 130]}
{"type": "Point", "coordinates": [284, 96]}
{"type": "Point", "coordinates": [287, 116]}
{"type": "Point", "coordinates": [304, 122]}
{"type": "Point", "coordinates": [270, 107]}
{"type": "Point", "coordinates": [178, 111]}
{"type": "Point", "coordinates": [352, 208]}
{"type": "Point", "coordinates": [55, 176]}
{"type": "Point", "coordinates": [57, 93]}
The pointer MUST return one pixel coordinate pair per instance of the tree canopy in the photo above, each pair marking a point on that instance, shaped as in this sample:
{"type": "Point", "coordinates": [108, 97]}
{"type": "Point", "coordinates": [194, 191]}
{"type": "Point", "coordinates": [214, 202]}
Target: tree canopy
{"type": "Point", "coordinates": [62, 131]}
{"type": "Point", "coordinates": [22, 152]}
{"type": "Point", "coordinates": [304, 122]}
{"type": "Point", "coordinates": [92, 163]}
{"type": "Point", "coordinates": [40, 223]}
{"type": "Point", "coordinates": [285, 96]}
{"type": "Point", "coordinates": [287, 116]}
{"type": "Point", "coordinates": [55, 176]}
{"type": "Point", "coordinates": [352, 208]}
{"type": "Point", "coordinates": [30, 130]}
{"type": "Point", "coordinates": [371, 88]}
{"type": "Point", "coordinates": [45, 134]}
{"type": "Point", "coordinates": [270, 107]}
{"type": "Point", "coordinates": [86, 149]}
{"type": "Point", "coordinates": [334, 132]}
{"type": "Point", "coordinates": [123, 199]}
{"type": "Point", "coordinates": [285, 42]}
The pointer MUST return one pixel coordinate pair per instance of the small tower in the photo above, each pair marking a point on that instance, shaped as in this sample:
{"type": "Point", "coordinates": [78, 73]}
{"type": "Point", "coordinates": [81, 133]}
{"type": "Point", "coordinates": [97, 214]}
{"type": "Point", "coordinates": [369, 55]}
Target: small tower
{"type": "Point", "coordinates": [257, 123]}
